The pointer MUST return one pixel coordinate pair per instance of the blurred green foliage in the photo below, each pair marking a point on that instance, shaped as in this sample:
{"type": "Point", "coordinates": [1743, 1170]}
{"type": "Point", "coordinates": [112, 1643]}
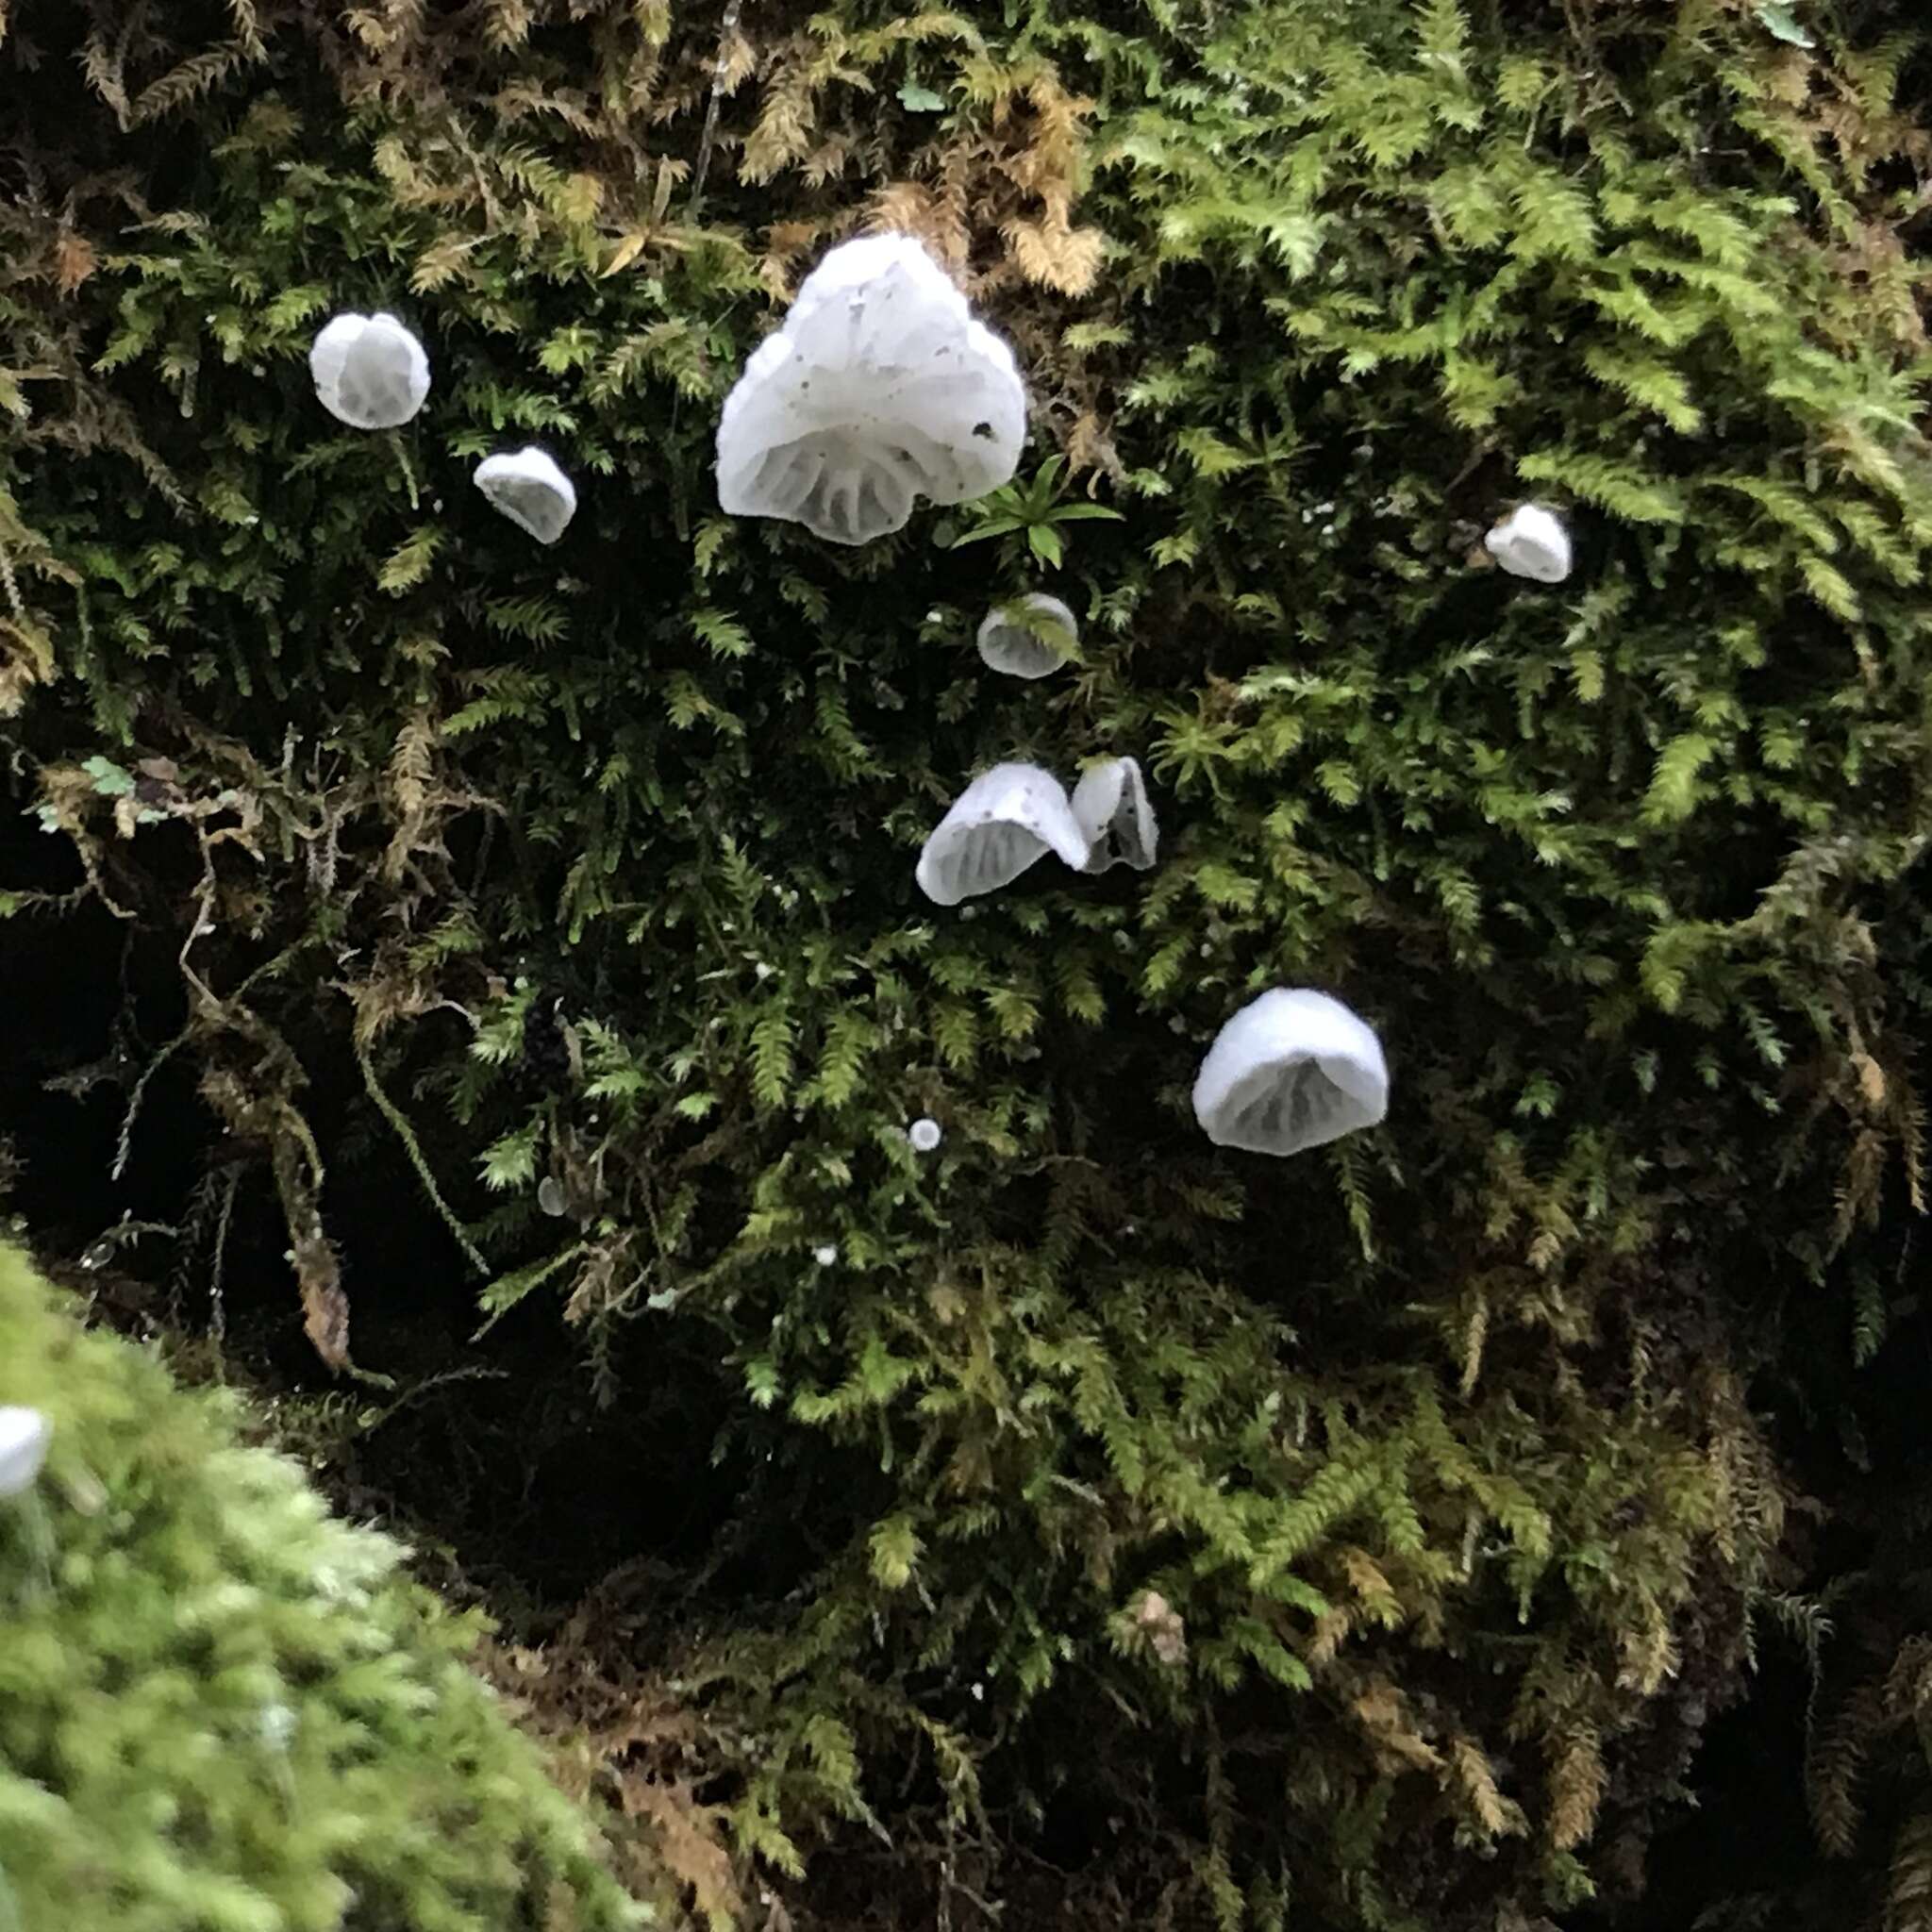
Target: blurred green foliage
{"type": "Point", "coordinates": [222, 1709]}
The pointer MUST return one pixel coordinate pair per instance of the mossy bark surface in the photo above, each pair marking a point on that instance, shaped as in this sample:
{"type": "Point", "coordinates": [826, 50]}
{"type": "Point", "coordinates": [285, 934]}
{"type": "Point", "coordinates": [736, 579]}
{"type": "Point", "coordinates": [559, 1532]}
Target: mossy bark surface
{"type": "Point", "coordinates": [450, 932]}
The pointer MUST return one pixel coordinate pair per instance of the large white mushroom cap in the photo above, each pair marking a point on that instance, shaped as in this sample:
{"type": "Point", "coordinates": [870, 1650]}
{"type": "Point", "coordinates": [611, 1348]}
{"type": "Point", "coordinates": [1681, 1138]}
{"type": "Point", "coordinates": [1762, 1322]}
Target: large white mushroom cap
{"type": "Point", "coordinates": [1029, 636]}
{"type": "Point", "coordinates": [1292, 1069]}
{"type": "Point", "coordinates": [369, 371]}
{"type": "Point", "coordinates": [1531, 541]}
{"type": "Point", "coordinates": [24, 1434]}
{"type": "Point", "coordinates": [1004, 821]}
{"type": "Point", "coordinates": [531, 490]}
{"type": "Point", "coordinates": [1111, 806]}
{"type": "Point", "coordinates": [879, 386]}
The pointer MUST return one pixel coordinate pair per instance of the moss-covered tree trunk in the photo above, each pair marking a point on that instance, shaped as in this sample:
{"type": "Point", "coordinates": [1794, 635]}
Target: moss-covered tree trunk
{"type": "Point", "coordinates": [527, 936]}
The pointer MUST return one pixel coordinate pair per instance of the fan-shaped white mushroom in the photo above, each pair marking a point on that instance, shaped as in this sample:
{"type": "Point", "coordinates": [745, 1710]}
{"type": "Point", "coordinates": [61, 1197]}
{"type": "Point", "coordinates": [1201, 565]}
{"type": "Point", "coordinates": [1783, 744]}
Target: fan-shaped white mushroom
{"type": "Point", "coordinates": [369, 371]}
{"type": "Point", "coordinates": [24, 1434]}
{"type": "Point", "coordinates": [879, 386]}
{"type": "Point", "coordinates": [1110, 804]}
{"type": "Point", "coordinates": [1028, 637]}
{"type": "Point", "coordinates": [1531, 541]}
{"type": "Point", "coordinates": [1004, 821]}
{"type": "Point", "coordinates": [1291, 1069]}
{"type": "Point", "coordinates": [531, 490]}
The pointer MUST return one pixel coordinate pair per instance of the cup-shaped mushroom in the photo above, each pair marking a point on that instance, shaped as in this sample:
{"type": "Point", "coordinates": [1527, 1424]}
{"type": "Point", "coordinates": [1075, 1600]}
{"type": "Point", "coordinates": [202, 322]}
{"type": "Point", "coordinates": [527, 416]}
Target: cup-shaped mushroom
{"type": "Point", "coordinates": [1292, 1069]}
{"type": "Point", "coordinates": [1000, 824]}
{"type": "Point", "coordinates": [531, 490]}
{"type": "Point", "coordinates": [1111, 806]}
{"type": "Point", "coordinates": [369, 371]}
{"type": "Point", "coordinates": [879, 388]}
{"type": "Point", "coordinates": [24, 1434]}
{"type": "Point", "coordinates": [1531, 541]}
{"type": "Point", "coordinates": [1028, 637]}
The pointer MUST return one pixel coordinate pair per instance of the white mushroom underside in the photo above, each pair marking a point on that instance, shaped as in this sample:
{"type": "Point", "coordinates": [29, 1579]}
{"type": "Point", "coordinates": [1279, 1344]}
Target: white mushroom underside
{"type": "Point", "coordinates": [1286, 1109]}
{"type": "Point", "coordinates": [879, 388]}
{"type": "Point", "coordinates": [1110, 804]}
{"type": "Point", "coordinates": [1029, 639]}
{"type": "Point", "coordinates": [998, 826]}
{"type": "Point", "coordinates": [375, 383]}
{"type": "Point", "coordinates": [531, 505]}
{"type": "Point", "coordinates": [369, 371]}
{"type": "Point", "coordinates": [994, 858]}
{"type": "Point", "coordinates": [1292, 1069]}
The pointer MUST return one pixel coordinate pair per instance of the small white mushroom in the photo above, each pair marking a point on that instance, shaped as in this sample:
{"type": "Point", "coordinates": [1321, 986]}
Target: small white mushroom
{"type": "Point", "coordinates": [1531, 541]}
{"type": "Point", "coordinates": [1000, 824]}
{"type": "Point", "coordinates": [1110, 804]}
{"type": "Point", "coordinates": [531, 490]}
{"type": "Point", "coordinates": [24, 1434]}
{"type": "Point", "coordinates": [925, 1134]}
{"type": "Point", "coordinates": [879, 386]}
{"type": "Point", "coordinates": [826, 1253]}
{"type": "Point", "coordinates": [1292, 1069]}
{"type": "Point", "coordinates": [369, 371]}
{"type": "Point", "coordinates": [1028, 637]}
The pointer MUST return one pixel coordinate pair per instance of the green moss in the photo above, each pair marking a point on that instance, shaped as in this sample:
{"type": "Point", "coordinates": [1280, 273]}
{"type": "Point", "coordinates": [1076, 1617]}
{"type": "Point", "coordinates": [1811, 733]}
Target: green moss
{"type": "Point", "coordinates": [1438, 1447]}
{"type": "Point", "coordinates": [221, 1710]}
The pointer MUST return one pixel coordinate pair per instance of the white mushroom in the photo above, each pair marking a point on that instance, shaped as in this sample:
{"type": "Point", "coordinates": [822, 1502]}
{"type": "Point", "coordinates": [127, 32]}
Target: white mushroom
{"type": "Point", "coordinates": [369, 371]}
{"type": "Point", "coordinates": [826, 1253]}
{"type": "Point", "coordinates": [1028, 637]}
{"type": "Point", "coordinates": [531, 490]}
{"type": "Point", "coordinates": [1531, 541]}
{"type": "Point", "coordinates": [1292, 1069]}
{"type": "Point", "coordinates": [925, 1134]}
{"type": "Point", "coordinates": [999, 826]}
{"type": "Point", "coordinates": [24, 1434]}
{"type": "Point", "coordinates": [1110, 804]}
{"type": "Point", "coordinates": [880, 386]}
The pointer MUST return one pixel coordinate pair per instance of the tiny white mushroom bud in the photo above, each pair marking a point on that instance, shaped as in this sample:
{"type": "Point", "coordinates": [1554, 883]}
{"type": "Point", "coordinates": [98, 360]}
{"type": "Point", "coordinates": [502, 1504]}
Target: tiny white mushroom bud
{"type": "Point", "coordinates": [1531, 541]}
{"type": "Point", "coordinates": [925, 1133]}
{"type": "Point", "coordinates": [825, 1254]}
{"type": "Point", "coordinates": [531, 490]}
{"type": "Point", "coordinates": [24, 1434]}
{"type": "Point", "coordinates": [369, 371]}
{"type": "Point", "coordinates": [550, 1196]}
{"type": "Point", "coordinates": [1292, 1069]}
{"type": "Point", "coordinates": [1032, 637]}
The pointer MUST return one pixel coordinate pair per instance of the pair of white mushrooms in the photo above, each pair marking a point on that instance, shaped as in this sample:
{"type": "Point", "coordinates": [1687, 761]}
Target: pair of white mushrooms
{"type": "Point", "coordinates": [1012, 816]}
{"type": "Point", "coordinates": [24, 1435]}
{"type": "Point", "coordinates": [371, 373]}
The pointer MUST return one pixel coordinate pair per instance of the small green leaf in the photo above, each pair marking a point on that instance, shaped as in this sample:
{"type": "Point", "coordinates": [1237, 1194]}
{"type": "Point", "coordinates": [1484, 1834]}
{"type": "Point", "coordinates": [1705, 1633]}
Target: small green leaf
{"type": "Point", "coordinates": [110, 781]}
{"type": "Point", "coordinates": [994, 526]}
{"type": "Point", "coordinates": [511, 1160]}
{"type": "Point", "coordinates": [894, 1549]}
{"type": "Point", "coordinates": [1045, 544]}
{"type": "Point", "coordinates": [920, 100]}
